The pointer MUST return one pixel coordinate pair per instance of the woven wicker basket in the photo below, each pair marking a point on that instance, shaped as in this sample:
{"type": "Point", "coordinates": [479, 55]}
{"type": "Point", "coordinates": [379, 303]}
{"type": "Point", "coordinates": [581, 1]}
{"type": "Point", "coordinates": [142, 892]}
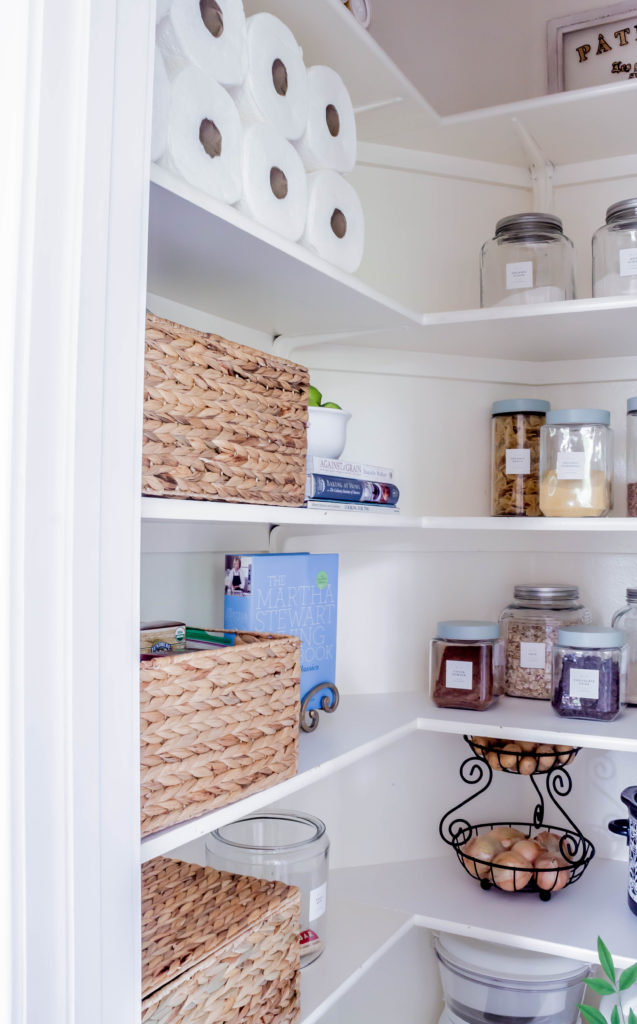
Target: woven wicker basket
{"type": "Point", "coordinates": [217, 725]}
{"type": "Point", "coordinates": [217, 948]}
{"type": "Point", "coordinates": [221, 421]}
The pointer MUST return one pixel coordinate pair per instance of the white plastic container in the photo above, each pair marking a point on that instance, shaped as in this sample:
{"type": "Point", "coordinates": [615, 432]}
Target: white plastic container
{"type": "Point", "coordinates": [484, 982]}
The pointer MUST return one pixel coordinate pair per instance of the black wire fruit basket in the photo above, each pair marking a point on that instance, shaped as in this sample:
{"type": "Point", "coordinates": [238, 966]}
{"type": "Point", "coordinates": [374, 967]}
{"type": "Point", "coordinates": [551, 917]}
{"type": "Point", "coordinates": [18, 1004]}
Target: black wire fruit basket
{"type": "Point", "coordinates": [486, 850]}
{"type": "Point", "coordinates": [537, 761]}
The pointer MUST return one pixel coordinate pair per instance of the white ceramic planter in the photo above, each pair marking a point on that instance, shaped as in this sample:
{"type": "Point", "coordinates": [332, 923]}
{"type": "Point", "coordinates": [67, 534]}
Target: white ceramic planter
{"type": "Point", "coordinates": [327, 431]}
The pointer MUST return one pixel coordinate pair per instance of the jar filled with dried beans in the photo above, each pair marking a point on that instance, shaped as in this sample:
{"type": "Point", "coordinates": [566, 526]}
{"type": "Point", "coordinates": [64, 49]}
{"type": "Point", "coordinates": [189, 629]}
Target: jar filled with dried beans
{"type": "Point", "coordinates": [529, 626]}
{"type": "Point", "coordinates": [466, 664]}
{"type": "Point", "coordinates": [515, 456]}
{"type": "Point", "coordinates": [589, 672]}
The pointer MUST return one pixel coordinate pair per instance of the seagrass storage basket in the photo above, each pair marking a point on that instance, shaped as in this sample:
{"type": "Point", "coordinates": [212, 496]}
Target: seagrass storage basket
{"type": "Point", "coordinates": [222, 421]}
{"type": "Point", "coordinates": [217, 948]}
{"type": "Point", "coordinates": [217, 725]}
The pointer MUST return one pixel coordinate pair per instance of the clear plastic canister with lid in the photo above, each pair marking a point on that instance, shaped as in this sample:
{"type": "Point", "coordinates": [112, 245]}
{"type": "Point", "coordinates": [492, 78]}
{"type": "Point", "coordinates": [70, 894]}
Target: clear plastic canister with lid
{"type": "Point", "coordinates": [528, 260]}
{"type": "Point", "coordinates": [589, 672]}
{"type": "Point", "coordinates": [576, 463]}
{"type": "Point", "coordinates": [529, 626]}
{"type": "Point", "coordinates": [615, 251]}
{"type": "Point", "coordinates": [631, 456]}
{"type": "Point", "coordinates": [515, 456]}
{"type": "Point", "coordinates": [626, 619]}
{"type": "Point", "coordinates": [466, 664]}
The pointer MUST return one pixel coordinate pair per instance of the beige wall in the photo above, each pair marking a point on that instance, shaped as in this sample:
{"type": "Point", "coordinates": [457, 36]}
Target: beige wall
{"type": "Point", "coordinates": [464, 54]}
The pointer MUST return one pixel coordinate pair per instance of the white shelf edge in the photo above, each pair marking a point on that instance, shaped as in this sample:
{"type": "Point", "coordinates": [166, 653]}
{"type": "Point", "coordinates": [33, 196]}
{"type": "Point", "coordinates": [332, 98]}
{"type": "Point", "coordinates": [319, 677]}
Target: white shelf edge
{"type": "Point", "coordinates": [169, 839]}
{"type": "Point", "coordinates": [412, 712]}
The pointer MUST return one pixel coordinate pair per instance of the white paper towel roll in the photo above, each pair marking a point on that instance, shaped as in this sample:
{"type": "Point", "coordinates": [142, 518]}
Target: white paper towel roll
{"type": "Point", "coordinates": [335, 226]}
{"type": "Point", "coordinates": [161, 107]}
{"type": "Point", "coordinates": [210, 34]}
{"type": "Point", "coordinates": [329, 141]}
{"type": "Point", "coordinates": [205, 136]}
{"type": "Point", "coordinates": [275, 89]}
{"type": "Point", "coordinates": [274, 182]}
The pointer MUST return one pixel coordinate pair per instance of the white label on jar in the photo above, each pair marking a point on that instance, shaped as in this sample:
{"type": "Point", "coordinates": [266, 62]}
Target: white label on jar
{"type": "Point", "coordinates": [518, 461]}
{"type": "Point", "coordinates": [627, 262]}
{"type": "Point", "coordinates": [520, 275]}
{"type": "Point", "coordinates": [584, 682]}
{"type": "Point", "coordinates": [318, 902]}
{"type": "Point", "coordinates": [532, 655]}
{"type": "Point", "coordinates": [459, 675]}
{"type": "Point", "coordinates": [571, 465]}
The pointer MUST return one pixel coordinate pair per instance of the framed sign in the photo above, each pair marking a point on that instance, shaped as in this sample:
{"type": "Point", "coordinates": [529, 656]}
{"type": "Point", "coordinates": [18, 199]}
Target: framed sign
{"type": "Point", "coordinates": [592, 48]}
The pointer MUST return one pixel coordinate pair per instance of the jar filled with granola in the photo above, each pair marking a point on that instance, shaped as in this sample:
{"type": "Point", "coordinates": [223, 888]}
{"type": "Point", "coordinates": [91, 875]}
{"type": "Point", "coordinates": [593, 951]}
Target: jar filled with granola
{"type": "Point", "coordinates": [515, 456]}
{"type": "Point", "coordinates": [529, 627]}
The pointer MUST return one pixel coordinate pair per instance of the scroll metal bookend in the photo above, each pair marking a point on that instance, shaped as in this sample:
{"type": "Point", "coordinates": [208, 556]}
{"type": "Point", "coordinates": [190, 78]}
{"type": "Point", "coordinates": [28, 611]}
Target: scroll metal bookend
{"type": "Point", "coordinates": [329, 702]}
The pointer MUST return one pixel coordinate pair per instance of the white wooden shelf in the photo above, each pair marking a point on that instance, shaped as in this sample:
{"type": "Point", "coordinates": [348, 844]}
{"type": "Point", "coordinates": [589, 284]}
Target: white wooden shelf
{"type": "Point", "coordinates": [179, 510]}
{"type": "Point", "coordinates": [569, 127]}
{"type": "Point", "coordinates": [361, 726]}
{"type": "Point", "coordinates": [212, 257]}
{"type": "Point", "coordinates": [364, 724]}
{"type": "Point", "coordinates": [442, 896]}
{"type": "Point", "coordinates": [356, 936]}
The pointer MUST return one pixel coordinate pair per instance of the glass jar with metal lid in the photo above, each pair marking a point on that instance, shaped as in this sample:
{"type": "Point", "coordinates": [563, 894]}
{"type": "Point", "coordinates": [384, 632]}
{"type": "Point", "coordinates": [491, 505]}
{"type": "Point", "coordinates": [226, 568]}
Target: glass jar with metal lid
{"type": "Point", "coordinates": [528, 260]}
{"type": "Point", "coordinates": [529, 626]}
{"type": "Point", "coordinates": [515, 456]}
{"type": "Point", "coordinates": [615, 251]}
{"type": "Point", "coordinates": [283, 846]}
{"type": "Point", "coordinates": [576, 463]}
{"type": "Point", "coordinates": [626, 619]}
{"type": "Point", "coordinates": [589, 672]}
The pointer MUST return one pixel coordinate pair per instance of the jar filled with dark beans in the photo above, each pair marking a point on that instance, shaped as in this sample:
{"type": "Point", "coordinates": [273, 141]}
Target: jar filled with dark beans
{"type": "Point", "coordinates": [589, 672]}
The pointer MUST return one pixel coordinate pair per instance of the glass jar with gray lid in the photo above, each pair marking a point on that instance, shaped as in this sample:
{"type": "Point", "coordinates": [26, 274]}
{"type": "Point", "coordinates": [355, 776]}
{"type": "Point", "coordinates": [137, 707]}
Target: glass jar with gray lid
{"type": "Point", "coordinates": [466, 664]}
{"type": "Point", "coordinates": [626, 619]}
{"type": "Point", "coordinates": [576, 463]}
{"type": "Point", "coordinates": [615, 251]}
{"type": "Point", "coordinates": [589, 672]}
{"type": "Point", "coordinates": [529, 626]}
{"type": "Point", "coordinates": [515, 456]}
{"type": "Point", "coordinates": [528, 260]}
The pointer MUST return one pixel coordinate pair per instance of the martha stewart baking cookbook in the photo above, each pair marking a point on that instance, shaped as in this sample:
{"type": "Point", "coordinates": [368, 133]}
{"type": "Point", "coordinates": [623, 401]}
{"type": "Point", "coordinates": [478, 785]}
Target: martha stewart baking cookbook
{"type": "Point", "coordinates": [292, 594]}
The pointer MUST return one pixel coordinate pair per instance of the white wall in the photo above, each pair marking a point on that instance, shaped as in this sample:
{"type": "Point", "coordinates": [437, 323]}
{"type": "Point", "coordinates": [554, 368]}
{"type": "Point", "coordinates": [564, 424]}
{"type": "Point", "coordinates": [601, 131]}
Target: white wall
{"type": "Point", "coordinates": [462, 55]}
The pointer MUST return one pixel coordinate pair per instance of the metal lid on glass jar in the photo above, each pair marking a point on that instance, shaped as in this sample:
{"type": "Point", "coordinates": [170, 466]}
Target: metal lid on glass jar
{"type": "Point", "coordinates": [631, 405]}
{"type": "Point", "coordinates": [548, 594]}
{"type": "Point", "coordinates": [625, 209]}
{"type": "Point", "coordinates": [591, 637]}
{"type": "Point", "coordinates": [564, 416]}
{"type": "Point", "coordinates": [529, 224]}
{"type": "Point", "coordinates": [519, 405]}
{"type": "Point", "coordinates": [468, 629]}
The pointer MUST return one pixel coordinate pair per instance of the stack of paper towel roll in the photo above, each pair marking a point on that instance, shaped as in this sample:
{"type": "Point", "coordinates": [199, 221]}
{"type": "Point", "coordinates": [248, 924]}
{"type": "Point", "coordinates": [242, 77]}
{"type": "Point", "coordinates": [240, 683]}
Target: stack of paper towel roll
{"type": "Point", "coordinates": [238, 115]}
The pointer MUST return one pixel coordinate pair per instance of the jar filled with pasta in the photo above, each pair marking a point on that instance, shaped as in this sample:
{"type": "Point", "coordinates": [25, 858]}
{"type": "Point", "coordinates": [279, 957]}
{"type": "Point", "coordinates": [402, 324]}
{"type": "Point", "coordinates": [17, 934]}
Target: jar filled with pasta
{"type": "Point", "coordinates": [515, 456]}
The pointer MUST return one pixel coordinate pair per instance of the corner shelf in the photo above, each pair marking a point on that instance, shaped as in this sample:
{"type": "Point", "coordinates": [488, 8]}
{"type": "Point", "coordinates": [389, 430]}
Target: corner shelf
{"type": "Point", "coordinates": [440, 895]}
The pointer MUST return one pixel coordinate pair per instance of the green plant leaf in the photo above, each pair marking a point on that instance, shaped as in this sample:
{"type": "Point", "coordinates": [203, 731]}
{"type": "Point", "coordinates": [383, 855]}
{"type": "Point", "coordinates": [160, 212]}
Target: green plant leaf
{"type": "Point", "coordinates": [632, 1019]}
{"type": "Point", "coordinates": [601, 986]}
{"type": "Point", "coordinates": [605, 960]}
{"type": "Point", "coordinates": [614, 1017]}
{"type": "Point", "coordinates": [591, 1014]}
{"type": "Point", "coordinates": [627, 978]}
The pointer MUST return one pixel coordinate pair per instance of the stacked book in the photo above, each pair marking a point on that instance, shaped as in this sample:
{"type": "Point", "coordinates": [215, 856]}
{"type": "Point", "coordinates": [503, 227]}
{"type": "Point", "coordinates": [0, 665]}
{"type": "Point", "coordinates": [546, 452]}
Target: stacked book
{"type": "Point", "coordinates": [355, 486]}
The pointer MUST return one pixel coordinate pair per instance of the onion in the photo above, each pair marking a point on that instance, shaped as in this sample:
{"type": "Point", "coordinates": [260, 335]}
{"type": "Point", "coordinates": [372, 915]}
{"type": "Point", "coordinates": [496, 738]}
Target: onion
{"type": "Point", "coordinates": [566, 754]}
{"type": "Point", "coordinates": [528, 849]}
{"type": "Point", "coordinates": [527, 765]}
{"type": "Point", "coordinates": [544, 763]}
{"type": "Point", "coordinates": [506, 835]}
{"type": "Point", "coordinates": [508, 757]}
{"type": "Point", "coordinates": [494, 760]}
{"type": "Point", "coordinates": [549, 841]}
{"type": "Point", "coordinates": [503, 874]}
{"type": "Point", "coordinates": [526, 747]}
{"type": "Point", "coordinates": [482, 848]}
{"type": "Point", "coordinates": [548, 876]}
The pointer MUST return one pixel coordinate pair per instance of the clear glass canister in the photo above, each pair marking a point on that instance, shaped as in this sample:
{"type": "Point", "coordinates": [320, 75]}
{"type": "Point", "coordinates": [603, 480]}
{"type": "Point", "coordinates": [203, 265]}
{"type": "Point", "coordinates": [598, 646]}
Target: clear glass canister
{"type": "Point", "coordinates": [576, 463]}
{"type": "Point", "coordinates": [529, 626]}
{"type": "Point", "coordinates": [626, 620]}
{"type": "Point", "coordinates": [529, 260]}
{"type": "Point", "coordinates": [283, 846]}
{"type": "Point", "coordinates": [615, 251]}
{"type": "Point", "coordinates": [466, 664]}
{"type": "Point", "coordinates": [631, 456]}
{"type": "Point", "coordinates": [515, 456]}
{"type": "Point", "coordinates": [589, 672]}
